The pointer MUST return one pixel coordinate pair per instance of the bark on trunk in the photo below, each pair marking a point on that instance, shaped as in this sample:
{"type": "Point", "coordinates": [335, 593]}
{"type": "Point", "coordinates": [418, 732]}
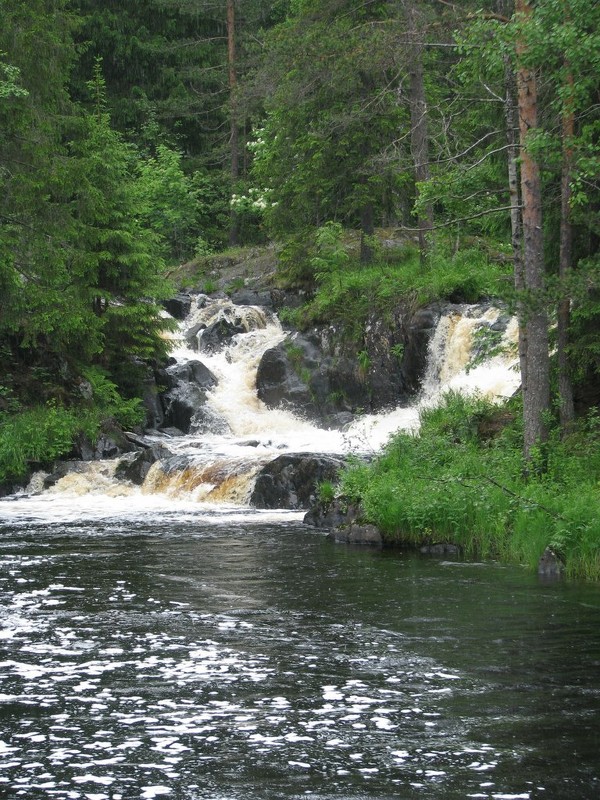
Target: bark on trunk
{"type": "Point", "coordinates": [234, 148]}
{"type": "Point", "coordinates": [536, 388]}
{"type": "Point", "coordinates": [516, 220]}
{"type": "Point", "coordinates": [419, 136]}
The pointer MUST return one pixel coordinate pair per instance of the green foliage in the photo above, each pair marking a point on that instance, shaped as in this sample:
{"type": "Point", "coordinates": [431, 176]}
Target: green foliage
{"type": "Point", "coordinates": [331, 256]}
{"type": "Point", "coordinates": [36, 437]}
{"type": "Point", "coordinates": [328, 119]}
{"type": "Point", "coordinates": [453, 483]}
{"type": "Point", "coordinates": [364, 362]}
{"type": "Point", "coordinates": [168, 201]}
{"type": "Point", "coordinates": [10, 77]}
{"type": "Point", "coordinates": [209, 286]}
{"type": "Point", "coordinates": [109, 404]}
{"type": "Point", "coordinates": [397, 350]}
{"type": "Point", "coordinates": [326, 492]}
{"type": "Point", "coordinates": [348, 292]}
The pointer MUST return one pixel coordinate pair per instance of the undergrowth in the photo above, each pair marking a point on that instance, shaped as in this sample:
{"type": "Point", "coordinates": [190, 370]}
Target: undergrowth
{"type": "Point", "coordinates": [348, 292]}
{"type": "Point", "coordinates": [38, 435]}
{"type": "Point", "coordinates": [452, 483]}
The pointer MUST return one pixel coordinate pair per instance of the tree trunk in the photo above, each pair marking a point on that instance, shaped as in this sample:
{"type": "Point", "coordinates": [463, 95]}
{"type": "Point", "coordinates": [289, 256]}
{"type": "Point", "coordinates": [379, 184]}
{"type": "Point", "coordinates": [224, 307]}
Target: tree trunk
{"type": "Point", "coordinates": [565, 388]}
{"type": "Point", "coordinates": [516, 220]}
{"type": "Point", "coordinates": [419, 136]}
{"type": "Point", "coordinates": [536, 386]}
{"type": "Point", "coordinates": [233, 111]}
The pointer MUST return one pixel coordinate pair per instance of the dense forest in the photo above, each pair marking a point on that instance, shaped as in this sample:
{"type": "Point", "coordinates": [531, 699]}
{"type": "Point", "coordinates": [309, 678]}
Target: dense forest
{"type": "Point", "coordinates": [138, 137]}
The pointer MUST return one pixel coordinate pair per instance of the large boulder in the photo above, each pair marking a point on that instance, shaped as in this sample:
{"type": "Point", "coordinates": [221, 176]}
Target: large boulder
{"type": "Point", "coordinates": [135, 468]}
{"type": "Point", "coordinates": [280, 385]}
{"type": "Point", "coordinates": [179, 306]}
{"type": "Point", "coordinates": [291, 481]}
{"type": "Point", "coordinates": [111, 443]}
{"type": "Point", "coordinates": [219, 333]}
{"type": "Point", "coordinates": [356, 533]}
{"type": "Point", "coordinates": [327, 378]}
{"type": "Point", "coordinates": [188, 384]}
{"type": "Point", "coordinates": [327, 515]}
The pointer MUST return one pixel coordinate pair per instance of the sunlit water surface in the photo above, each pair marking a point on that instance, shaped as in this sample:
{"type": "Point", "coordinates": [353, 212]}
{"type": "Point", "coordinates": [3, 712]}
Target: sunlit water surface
{"type": "Point", "coordinates": [197, 654]}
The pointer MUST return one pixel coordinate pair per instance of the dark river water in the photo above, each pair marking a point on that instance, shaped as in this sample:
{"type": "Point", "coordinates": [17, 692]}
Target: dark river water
{"type": "Point", "coordinates": [179, 658]}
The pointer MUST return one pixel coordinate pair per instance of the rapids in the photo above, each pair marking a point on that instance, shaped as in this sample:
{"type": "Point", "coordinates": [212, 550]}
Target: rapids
{"type": "Point", "coordinates": [219, 468]}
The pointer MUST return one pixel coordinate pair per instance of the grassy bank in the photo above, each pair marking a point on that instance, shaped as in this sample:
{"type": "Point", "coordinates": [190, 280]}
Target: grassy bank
{"type": "Point", "coordinates": [345, 292]}
{"type": "Point", "coordinates": [462, 480]}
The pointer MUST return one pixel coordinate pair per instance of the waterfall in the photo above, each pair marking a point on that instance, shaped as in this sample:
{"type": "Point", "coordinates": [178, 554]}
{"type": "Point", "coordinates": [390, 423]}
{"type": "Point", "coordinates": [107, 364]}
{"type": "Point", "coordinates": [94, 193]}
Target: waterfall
{"type": "Point", "coordinates": [453, 365]}
{"type": "Point", "coordinates": [234, 434]}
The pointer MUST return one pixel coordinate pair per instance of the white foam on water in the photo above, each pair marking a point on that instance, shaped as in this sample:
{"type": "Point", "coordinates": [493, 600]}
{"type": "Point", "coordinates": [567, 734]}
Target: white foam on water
{"type": "Point", "coordinates": [214, 481]}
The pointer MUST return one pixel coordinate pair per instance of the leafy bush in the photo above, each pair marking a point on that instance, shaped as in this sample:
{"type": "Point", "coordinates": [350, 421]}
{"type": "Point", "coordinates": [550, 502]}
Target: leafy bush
{"type": "Point", "coordinates": [38, 436]}
{"type": "Point", "coordinates": [347, 292]}
{"type": "Point", "coordinates": [450, 484]}
{"type": "Point", "coordinates": [109, 403]}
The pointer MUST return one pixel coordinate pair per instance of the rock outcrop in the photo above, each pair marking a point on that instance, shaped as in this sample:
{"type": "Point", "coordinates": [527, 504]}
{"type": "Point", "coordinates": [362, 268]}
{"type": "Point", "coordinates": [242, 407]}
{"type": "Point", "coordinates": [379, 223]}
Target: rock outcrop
{"type": "Point", "coordinates": [291, 481]}
{"type": "Point", "coordinates": [183, 402]}
{"type": "Point", "coordinates": [321, 375]}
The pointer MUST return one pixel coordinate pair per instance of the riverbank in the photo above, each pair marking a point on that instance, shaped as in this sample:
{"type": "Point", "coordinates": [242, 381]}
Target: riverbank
{"type": "Point", "coordinates": [462, 480]}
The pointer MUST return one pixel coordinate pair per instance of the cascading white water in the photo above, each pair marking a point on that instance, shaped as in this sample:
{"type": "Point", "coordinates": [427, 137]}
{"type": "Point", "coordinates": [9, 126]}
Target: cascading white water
{"type": "Point", "coordinates": [218, 468]}
{"type": "Point", "coordinates": [449, 368]}
{"type": "Point", "coordinates": [235, 365]}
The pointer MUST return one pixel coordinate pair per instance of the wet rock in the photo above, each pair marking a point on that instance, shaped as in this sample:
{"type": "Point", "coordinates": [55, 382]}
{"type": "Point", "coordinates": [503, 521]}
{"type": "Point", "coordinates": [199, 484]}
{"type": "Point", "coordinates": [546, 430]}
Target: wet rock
{"type": "Point", "coordinates": [171, 432]}
{"type": "Point", "coordinates": [356, 533]}
{"type": "Point", "coordinates": [151, 401]}
{"type": "Point", "coordinates": [550, 566]}
{"type": "Point", "coordinates": [62, 469]}
{"type": "Point", "coordinates": [111, 443]}
{"type": "Point", "coordinates": [333, 514]}
{"type": "Point", "coordinates": [279, 385]}
{"type": "Point", "coordinates": [418, 328]}
{"type": "Point", "coordinates": [192, 334]}
{"type": "Point", "coordinates": [183, 402]}
{"type": "Point", "coordinates": [189, 372]}
{"type": "Point", "coordinates": [440, 549]}
{"type": "Point", "coordinates": [136, 467]}
{"type": "Point", "coordinates": [216, 335]}
{"type": "Point", "coordinates": [246, 297]}
{"type": "Point", "coordinates": [207, 420]}
{"type": "Point", "coordinates": [179, 306]}
{"type": "Point", "coordinates": [324, 375]}
{"type": "Point", "coordinates": [291, 481]}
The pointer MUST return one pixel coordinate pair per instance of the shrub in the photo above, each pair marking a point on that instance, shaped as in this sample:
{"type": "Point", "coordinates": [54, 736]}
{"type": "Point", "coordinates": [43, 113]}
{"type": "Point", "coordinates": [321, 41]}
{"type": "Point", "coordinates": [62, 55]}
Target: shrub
{"type": "Point", "coordinates": [448, 483]}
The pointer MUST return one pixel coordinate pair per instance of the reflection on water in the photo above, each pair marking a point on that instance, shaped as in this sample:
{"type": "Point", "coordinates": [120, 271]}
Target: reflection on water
{"type": "Point", "coordinates": [185, 660]}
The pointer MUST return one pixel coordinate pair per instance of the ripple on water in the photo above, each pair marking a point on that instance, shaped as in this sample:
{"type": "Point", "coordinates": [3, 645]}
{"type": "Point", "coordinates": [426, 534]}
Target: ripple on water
{"type": "Point", "coordinates": [118, 681]}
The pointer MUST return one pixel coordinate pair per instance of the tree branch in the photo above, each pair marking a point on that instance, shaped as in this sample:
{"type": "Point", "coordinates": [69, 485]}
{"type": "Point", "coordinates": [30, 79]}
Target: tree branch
{"type": "Point", "coordinates": [404, 229]}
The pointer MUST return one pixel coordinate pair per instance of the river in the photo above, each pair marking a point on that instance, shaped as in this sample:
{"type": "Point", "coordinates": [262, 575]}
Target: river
{"type": "Point", "coordinates": [202, 655]}
{"type": "Point", "coordinates": [170, 641]}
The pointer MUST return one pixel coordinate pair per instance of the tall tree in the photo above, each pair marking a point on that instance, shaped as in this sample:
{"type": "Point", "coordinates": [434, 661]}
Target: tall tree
{"type": "Point", "coordinates": [419, 134]}
{"type": "Point", "coordinates": [234, 143]}
{"type": "Point", "coordinates": [71, 241]}
{"type": "Point", "coordinates": [536, 381]}
{"type": "Point", "coordinates": [328, 85]}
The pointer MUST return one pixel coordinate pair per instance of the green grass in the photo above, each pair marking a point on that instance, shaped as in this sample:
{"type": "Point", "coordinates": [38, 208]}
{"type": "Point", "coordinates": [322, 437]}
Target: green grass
{"type": "Point", "coordinates": [349, 295]}
{"type": "Point", "coordinates": [449, 484]}
{"type": "Point", "coordinates": [38, 435]}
